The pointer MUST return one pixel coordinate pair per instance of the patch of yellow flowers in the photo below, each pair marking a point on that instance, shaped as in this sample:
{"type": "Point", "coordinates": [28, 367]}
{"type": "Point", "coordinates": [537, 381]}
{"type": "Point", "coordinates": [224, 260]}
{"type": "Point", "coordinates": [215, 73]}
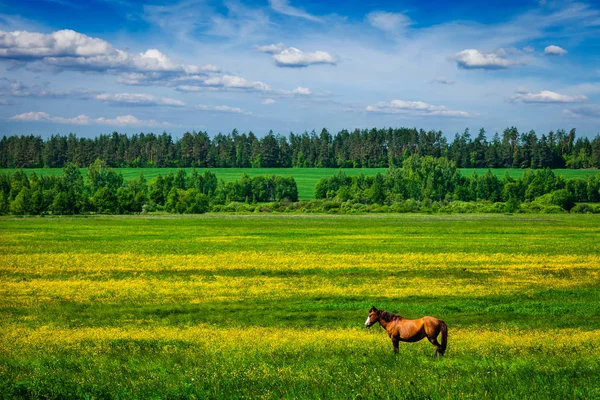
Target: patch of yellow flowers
{"type": "Point", "coordinates": [30, 280]}
{"type": "Point", "coordinates": [485, 342]}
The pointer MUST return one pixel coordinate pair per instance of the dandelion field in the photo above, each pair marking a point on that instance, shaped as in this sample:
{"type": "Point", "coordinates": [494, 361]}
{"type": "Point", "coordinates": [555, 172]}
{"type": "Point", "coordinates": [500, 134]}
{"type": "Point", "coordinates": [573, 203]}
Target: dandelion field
{"type": "Point", "coordinates": [272, 306]}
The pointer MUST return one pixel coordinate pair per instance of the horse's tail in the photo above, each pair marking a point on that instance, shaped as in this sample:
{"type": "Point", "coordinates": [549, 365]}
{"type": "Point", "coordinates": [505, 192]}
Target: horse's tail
{"type": "Point", "coordinates": [444, 344]}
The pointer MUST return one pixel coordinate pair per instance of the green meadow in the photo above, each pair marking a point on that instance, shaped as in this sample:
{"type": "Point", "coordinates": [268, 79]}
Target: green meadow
{"type": "Point", "coordinates": [306, 178]}
{"type": "Point", "coordinates": [273, 306]}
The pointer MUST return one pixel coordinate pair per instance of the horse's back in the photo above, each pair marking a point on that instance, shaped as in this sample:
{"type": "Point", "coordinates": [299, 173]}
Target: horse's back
{"type": "Point", "coordinates": [432, 325]}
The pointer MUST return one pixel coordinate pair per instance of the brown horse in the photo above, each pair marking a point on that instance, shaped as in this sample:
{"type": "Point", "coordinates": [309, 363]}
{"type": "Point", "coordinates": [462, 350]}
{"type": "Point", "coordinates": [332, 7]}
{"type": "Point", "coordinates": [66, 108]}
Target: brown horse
{"type": "Point", "coordinates": [410, 330]}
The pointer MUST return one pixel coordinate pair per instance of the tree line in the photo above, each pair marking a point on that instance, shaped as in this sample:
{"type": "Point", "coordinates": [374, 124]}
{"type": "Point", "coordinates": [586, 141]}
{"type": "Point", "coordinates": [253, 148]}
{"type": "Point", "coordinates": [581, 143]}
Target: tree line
{"type": "Point", "coordinates": [371, 148]}
{"type": "Point", "coordinates": [424, 184]}
{"type": "Point", "coordinates": [437, 180]}
{"type": "Point", "coordinates": [106, 192]}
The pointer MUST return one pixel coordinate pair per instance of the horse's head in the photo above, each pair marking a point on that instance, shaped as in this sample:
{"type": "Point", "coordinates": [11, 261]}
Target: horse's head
{"type": "Point", "coordinates": [372, 318]}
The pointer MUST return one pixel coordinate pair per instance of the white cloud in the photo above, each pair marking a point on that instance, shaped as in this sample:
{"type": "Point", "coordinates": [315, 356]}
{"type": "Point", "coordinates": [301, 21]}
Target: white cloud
{"type": "Point", "coordinates": [45, 117]}
{"type": "Point", "coordinates": [269, 101]}
{"type": "Point", "coordinates": [223, 109]}
{"type": "Point", "coordinates": [592, 110]}
{"type": "Point", "coordinates": [555, 50]}
{"type": "Point", "coordinates": [199, 83]}
{"type": "Point", "coordinates": [67, 49]}
{"type": "Point", "coordinates": [138, 99]}
{"type": "Point", "coordinates": [124, 120]}
{"type": "Point", "coordinates": [284, 7]}
{"type": "Point", "coordinates": [299, 91]}
{"type": "Point", "coordinates": [389, 22]}
{"type": "Point", "coordinates": [302, 91]}
{"type": "Point", "coordinates": [546, 96]}
{"type": "Point", "coordinates": [130, 120]}
{"type": "Point", "coordinates": [293, 57]}
{"type": "Point", "coordinates": [474, 59]}
{"type": "Point", "coordinates": [417, 108]}
{"type": "Point", "coordinates": [235, 82]}
{"type": "Point", "coordinates": [65, 43]}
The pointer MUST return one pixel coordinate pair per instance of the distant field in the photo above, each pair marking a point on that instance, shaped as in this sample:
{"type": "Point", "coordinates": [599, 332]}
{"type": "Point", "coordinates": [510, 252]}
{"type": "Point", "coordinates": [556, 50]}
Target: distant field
{"type": "Point", "coordinates": [306, 178]}
{"type": "Point", "coordinates": [273, 306]}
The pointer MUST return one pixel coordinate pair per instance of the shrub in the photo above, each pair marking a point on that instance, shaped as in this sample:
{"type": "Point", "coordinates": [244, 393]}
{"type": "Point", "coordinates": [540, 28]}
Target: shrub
{"type": "Point", "coordinates": [582, 208]}
{"type": "Point", "coordinates": [562, 198]}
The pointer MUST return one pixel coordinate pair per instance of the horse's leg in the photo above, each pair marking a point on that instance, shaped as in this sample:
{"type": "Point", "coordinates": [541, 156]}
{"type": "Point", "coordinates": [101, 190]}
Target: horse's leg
{"type": "Point", "coordinates": [395, 342]}
{"type": "Point", "coordinates": [434, 342]}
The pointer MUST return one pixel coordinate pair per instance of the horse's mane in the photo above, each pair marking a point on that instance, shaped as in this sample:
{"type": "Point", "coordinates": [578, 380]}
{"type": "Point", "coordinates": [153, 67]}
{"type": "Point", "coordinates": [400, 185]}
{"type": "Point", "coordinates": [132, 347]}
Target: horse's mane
{"type": "Point", "coordinates": [388, 316]}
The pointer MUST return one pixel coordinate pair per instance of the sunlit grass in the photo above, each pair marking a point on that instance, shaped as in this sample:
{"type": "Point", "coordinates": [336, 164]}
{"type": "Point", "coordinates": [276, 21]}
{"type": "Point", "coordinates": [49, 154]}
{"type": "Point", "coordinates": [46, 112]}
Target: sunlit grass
{"type": "Point", "coordinates": [272, 306]}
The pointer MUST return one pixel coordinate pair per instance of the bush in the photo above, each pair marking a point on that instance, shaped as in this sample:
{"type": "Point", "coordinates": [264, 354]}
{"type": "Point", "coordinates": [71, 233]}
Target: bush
{"type": "Point", "coordinates": [561, 198]}
{"type": "Point", "coordinates": [583, 208]}
{"type": "Point", "coordinates": [461, 207]}
{"type": "Point", "coordinates": [406, 206]}
{"type": "Point", "coordinates": [538, 208]}
{"type": "Point", "coordinates": [552, 210]}
{"type": "Point", "coordinates": [494, 208]}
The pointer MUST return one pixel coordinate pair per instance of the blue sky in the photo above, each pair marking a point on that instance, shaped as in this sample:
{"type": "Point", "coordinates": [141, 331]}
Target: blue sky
{"type": "Point", "coordinates": [97, 66]}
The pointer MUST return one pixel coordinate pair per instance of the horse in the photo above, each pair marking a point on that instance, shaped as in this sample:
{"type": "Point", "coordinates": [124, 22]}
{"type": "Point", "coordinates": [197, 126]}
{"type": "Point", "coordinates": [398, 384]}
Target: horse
{"type": "Point", "coordinates": [410, 330]}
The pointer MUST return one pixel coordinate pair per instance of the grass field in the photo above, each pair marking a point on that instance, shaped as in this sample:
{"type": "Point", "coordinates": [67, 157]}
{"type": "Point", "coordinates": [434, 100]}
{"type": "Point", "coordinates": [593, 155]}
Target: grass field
{"type": "Point", "coordinates": [272, 306]}
{"type": "Point", "coordinates": [306, 178]}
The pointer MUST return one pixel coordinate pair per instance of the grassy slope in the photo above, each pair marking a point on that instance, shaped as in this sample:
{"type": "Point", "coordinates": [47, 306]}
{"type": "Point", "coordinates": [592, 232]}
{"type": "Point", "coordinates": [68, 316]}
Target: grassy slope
{"type": "Point", "coordinates": [306, 178]}
{"type": "Point", "coordinates": [273, 306]}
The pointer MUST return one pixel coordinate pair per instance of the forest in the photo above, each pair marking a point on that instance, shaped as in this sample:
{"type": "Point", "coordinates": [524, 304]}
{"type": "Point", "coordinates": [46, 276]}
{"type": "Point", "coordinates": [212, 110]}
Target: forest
{"type": "Point", "coordinates": [423, 184]}
{"type": "Point", "coordinates": [369, 148]}
{"type": "Point", "coordinates": [105, 192]}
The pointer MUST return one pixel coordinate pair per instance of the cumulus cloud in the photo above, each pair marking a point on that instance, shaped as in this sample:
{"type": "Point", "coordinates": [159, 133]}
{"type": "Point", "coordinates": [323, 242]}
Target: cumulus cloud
{"type": "Point", "coordinates": [64, 43]}
{"type": "Point", "coordinates": [299, 91]}
{"type": "Point", "coordinates": [130, 120]}
{"type": "Point", "coordinates": [223, 109]}
{"type": "Point", "coordinates": [199, 83]}
{"type": "Point", "coordinates": [45, 117]}
{"type": "Point", "coordinates": [417, 108]}
{"type": "Point", "coordinates": [235, 82]}
{"type": "Point", "coordinates": [284, 7]}
{"type": "Point", "coordinates": [122, 121]}
{"type": "Point", "coordinates": [388, 22]}
{"type": "Point", "coordinates": [293, 57]}
{"type": "Point", "coordinates": [555, 50]}
{"type": "Point", "coordinates": [302, 91]}
{"type": "Point", "coordinates": [138, 99]}
{"type": "Point", "coordinates": [68, 49]}
{"type": "Point", "coordinates": [474, 59]}
{"type": "Point", "coordinates": [546, 96]}
{"type": "Point", "coordinates": [589, 111]}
